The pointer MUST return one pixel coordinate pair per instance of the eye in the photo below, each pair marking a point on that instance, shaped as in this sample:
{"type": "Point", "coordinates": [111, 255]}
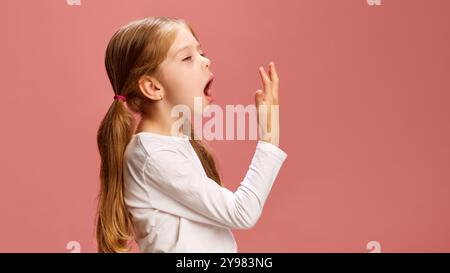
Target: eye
{"type": "Point", "coordinates": [187, 58]}
{"type": "Point", "coordinates": [203, 54]}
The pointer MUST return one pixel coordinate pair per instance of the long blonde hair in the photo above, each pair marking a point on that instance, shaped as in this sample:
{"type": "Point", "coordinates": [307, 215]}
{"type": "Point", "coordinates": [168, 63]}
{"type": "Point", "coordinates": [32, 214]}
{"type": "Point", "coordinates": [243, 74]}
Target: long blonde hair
{"type": "Point", "coordinates": [134, 50]}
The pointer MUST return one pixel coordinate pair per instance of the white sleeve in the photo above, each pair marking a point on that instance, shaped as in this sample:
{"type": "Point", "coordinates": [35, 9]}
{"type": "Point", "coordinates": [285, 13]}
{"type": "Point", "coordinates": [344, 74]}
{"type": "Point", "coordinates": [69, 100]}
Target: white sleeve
{"type": "Point", "coordinates": [173, 174]}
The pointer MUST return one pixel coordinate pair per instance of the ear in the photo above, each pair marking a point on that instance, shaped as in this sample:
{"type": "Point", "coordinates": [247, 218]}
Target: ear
{"type": "Point", "coordinates": [151, 88]}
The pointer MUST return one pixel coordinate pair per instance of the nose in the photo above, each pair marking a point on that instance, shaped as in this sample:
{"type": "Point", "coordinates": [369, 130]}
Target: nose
{"type": "Point", "coordinates": [206, 63]}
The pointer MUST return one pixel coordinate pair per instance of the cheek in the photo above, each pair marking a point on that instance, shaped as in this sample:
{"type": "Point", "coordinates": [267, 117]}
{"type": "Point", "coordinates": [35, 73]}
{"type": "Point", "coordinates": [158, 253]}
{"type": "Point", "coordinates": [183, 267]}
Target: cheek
{"type": "Point", "coordinates": [184, 89]}
{"type": "Point", "coordinates": [183, 95]}
{"type": "Point", "coordinates": [183, 85]}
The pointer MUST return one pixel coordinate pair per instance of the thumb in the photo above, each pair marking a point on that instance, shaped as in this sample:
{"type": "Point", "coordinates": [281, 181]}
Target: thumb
{"type": "Point", "coordinates": [259, 98]}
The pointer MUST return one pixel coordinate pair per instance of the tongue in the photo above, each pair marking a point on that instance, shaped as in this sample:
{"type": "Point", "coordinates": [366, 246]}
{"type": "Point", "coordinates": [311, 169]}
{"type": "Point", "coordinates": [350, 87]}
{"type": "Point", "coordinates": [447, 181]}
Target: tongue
{"type": "Point", "coordinates": [206, 91]}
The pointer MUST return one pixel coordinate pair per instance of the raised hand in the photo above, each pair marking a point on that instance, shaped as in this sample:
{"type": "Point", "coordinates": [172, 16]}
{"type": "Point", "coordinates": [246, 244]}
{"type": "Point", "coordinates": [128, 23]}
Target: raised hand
{"type": "Point", "coordinates": [267, 106]}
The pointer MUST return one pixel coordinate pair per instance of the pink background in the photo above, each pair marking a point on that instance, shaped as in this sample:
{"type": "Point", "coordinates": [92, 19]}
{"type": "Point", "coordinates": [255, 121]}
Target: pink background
{"type": "Point", "coordinates": [365, 114]}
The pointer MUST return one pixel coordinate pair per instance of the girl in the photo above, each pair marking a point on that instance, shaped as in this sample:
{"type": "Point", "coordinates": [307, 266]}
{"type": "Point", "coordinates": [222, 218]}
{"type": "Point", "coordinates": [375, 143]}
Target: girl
{"type": "Point", "coordinates": [163, 189]}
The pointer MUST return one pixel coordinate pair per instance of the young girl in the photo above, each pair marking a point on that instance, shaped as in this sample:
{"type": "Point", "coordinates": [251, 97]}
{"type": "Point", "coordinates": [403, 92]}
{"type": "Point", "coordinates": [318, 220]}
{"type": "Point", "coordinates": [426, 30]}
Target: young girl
{"type": "Point", "coordinates": [163, 189]}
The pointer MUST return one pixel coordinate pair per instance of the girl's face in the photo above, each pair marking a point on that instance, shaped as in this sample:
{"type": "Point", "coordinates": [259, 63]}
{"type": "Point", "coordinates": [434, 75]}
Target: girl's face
{"type": "Point", "coordinates": [185, 73]}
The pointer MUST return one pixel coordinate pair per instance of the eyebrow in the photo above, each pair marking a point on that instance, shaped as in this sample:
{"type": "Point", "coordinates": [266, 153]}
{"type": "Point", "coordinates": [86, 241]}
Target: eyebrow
{"type": "Point", "coordinates": [186, 46]}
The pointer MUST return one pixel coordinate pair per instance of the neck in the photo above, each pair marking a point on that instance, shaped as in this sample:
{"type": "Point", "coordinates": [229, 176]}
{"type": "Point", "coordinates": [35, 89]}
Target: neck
{"type": "Point", "coordinates": [160, 124]}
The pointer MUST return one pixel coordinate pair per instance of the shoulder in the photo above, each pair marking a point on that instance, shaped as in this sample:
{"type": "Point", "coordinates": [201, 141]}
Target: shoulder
{"type": "Point", "coordinates": [160, 153]}
{"type": "Point", "coordinates": [140, 150]}
{"type": "Point", "coordinates": [152, 147]}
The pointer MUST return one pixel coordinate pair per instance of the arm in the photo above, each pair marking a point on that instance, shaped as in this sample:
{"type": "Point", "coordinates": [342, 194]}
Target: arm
{"type": "Point", "coordinates": [200, 198]}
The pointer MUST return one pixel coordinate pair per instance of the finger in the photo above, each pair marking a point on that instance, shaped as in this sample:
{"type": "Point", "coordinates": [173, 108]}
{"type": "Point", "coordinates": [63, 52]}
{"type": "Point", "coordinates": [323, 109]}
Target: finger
{"type": "Point", "coordinates": [259, 97]}
{"type": "Point", "coordinates": [275, 80]}
{"type": "Point", "coordinates": [263, 115]}
{"type": "Point", "coordinates": [270, 71]}
{"type": "Point", "coordinates": [266, 80]}
{"type": "Point", "coordinates": [273, 72]}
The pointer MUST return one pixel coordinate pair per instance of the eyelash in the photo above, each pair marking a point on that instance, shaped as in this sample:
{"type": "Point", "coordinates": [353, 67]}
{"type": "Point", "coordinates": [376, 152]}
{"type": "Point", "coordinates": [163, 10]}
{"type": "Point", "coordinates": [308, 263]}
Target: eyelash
{"type": "Point", "coordinates": [188, 58]}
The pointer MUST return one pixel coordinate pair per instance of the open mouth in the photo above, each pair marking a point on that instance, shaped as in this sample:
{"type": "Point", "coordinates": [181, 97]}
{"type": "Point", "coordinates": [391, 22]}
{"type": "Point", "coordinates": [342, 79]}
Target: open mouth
{"type": "Point", "coordinates": [207, 89]}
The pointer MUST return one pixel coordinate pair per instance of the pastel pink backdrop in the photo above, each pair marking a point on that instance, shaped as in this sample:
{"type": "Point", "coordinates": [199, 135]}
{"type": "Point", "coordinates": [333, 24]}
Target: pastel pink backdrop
{"type": "Point", "coordinates": [364, 118]}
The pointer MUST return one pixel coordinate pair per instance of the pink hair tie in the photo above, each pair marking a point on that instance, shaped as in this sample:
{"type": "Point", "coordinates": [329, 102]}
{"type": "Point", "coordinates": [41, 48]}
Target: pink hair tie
{"type": "Point", "coordinates": [120, 97]}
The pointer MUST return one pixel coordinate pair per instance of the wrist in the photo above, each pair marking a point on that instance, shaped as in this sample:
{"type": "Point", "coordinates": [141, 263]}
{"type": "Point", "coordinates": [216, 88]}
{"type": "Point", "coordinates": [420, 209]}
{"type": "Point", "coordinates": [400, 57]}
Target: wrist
{"type": "Point", "coordinates": [269, 140]}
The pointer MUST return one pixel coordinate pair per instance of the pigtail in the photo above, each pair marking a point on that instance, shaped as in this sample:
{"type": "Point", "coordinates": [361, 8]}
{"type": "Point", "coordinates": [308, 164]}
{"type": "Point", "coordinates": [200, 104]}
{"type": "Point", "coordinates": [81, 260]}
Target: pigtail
{"type": "Point", "coordinates": [114, 229]}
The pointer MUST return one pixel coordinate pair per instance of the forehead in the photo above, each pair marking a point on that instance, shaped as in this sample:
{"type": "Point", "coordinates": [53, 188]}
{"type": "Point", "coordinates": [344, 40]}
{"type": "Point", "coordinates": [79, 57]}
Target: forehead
{"type": "Point", "coordinates": [183, 38]}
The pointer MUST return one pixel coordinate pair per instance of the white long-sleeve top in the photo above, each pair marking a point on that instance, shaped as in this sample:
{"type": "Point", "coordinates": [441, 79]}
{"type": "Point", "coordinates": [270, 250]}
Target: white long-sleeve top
{"type": "Point", "coordinates": [176, 207]}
